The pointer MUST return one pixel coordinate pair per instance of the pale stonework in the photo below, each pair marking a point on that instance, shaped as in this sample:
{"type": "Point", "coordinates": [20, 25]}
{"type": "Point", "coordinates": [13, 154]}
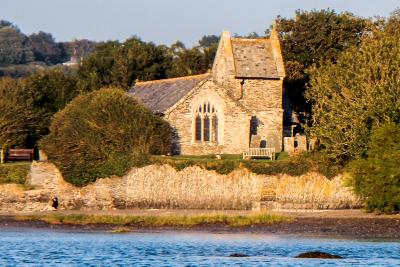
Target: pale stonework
{"type": "Point", "coordinates": [245, 84]}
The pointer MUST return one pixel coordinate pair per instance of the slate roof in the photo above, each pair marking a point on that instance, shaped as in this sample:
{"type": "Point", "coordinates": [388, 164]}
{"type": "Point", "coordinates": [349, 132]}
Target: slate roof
{"type": "Point", "coordinates": [254, 58]}
{"type": "Point", "coordinates": [160, 95]}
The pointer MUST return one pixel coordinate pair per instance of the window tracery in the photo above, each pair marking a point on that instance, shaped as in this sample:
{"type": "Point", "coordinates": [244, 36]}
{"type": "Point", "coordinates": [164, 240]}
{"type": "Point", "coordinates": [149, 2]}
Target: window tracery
{"type": "Point", "coordinates": [206, 123]}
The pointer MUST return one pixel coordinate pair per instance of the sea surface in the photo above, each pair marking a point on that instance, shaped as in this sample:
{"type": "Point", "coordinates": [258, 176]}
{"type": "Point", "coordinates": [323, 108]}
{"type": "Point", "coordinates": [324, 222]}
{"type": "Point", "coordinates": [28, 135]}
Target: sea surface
{"type": "Point", "coordinates": [31, 247]}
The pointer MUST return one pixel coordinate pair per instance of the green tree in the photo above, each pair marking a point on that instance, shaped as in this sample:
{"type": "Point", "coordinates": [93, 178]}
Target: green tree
{"type": "Point", "coordinates": [376, 178]}
{"type": "Point", "coordinates": [95, 70]}
{"type": "Point", "coordinates": [80, 48]}
{"type": "Point", "coordinates": [185, 61]}
{"type": "Point", "coordinates": [48, 92]}
{"type": "Point", "coordinates": [102, 133]}
{"type": "Point", "coordinates": [208, 44]}
{"type": "Point", "coordinates": [116, 64]}
{"type": "Point", "coordinates": [28, 104]}
{"type": "Point", "coordinates": [361, 90]}
{"type": "Point", "coordinates": [17, 118]}
{"type": "Point", "coordinates": [15, 47]}
{"type": "Point", "coordinates": [314, 37]}
{"type": "Point", "coordinates": [46, 49]}
{"type": "Point", "coordinates": [196, 60]}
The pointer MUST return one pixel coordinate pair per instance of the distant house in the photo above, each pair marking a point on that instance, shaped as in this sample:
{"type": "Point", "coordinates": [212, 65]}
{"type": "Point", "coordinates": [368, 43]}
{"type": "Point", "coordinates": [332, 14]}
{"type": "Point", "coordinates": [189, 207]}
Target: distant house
{"type": "Point", "coordinates": [236, 106]}
{"type": "Point", "coordinates": [72, 62]}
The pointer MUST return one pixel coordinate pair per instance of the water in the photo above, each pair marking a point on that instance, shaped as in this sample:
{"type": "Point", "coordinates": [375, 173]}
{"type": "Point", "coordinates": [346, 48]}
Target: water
{"type": "Point", "coordinates": [27, 247]}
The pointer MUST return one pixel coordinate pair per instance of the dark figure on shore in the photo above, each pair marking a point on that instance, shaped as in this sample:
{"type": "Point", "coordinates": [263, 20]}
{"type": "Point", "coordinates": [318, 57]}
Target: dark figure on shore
{"type": "Point", "coordinates": [54, 203]}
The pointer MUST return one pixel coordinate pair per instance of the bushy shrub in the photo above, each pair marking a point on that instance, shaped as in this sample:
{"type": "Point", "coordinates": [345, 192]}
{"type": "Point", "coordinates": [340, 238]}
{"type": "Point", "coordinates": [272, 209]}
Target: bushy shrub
{"type": "Point", "coordinates": [377, 178]}
{"type": "Point", "coordinates": [14, 173]}
{"type": "Point", "coordinates": [103, 133]}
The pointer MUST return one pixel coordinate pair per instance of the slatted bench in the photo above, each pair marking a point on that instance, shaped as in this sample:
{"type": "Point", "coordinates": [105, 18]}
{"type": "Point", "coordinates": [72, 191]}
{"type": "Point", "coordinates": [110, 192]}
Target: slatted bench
{"type": "Point", "coordinates": [259, 153]}
{"type": "Point", "coordinates": [19, 154]}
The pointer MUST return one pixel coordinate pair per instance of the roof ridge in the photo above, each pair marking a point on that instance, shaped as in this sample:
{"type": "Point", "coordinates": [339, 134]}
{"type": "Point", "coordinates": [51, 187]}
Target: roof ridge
{"type": "Point", "coordinates": [174, 79]}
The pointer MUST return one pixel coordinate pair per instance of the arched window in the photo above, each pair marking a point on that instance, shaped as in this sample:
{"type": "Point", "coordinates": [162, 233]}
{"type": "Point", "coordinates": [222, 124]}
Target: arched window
{"type": "Point", "coordinates": [206, 123]}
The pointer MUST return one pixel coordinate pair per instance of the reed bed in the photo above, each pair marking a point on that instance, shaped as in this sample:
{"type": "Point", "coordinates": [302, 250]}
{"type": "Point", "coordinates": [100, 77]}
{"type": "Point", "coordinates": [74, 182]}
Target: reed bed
{"type": "Point", "coordinates": [162, 186]}
{"type": "Point", "coordinates": [316, 190]}
{"type": "Point", "coordinates": [193, 187]}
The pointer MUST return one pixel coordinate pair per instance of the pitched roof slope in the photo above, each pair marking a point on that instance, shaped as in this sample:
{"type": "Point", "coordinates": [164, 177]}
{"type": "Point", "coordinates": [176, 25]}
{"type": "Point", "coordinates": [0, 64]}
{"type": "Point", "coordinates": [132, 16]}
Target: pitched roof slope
{"type": "Point", "coordinates": [248, 58]}
{"type": "Point", "coordinates": [254, 58]}
{"type": "Point", "coordinates": [159, 95]}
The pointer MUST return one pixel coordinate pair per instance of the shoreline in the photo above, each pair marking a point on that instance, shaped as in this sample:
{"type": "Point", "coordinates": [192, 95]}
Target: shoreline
{"type": "Point", "coordinates": [336, 223]}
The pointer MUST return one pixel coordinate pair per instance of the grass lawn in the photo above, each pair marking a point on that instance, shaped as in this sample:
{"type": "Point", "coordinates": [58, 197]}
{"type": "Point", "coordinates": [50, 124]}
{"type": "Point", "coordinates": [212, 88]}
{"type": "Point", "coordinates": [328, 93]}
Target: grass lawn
{"type": "Point", "coordinates": [230, 162]}
{"type": "Point", "coordinates": [226, 164]}
{"type": "Point", "coordinates": [235, 157]}
{"type": "Point", "coordinates": [14, 172]}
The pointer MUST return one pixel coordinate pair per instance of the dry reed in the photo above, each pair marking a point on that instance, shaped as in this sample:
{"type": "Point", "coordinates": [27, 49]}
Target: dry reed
{"type": "Point", "coordinates": [193, 187]}
{"type": "Point", "coordinates": [316, 190]}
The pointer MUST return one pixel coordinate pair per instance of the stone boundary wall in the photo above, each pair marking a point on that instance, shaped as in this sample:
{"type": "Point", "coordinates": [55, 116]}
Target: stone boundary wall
{"type": "Point", "coordinates": [161, 186]}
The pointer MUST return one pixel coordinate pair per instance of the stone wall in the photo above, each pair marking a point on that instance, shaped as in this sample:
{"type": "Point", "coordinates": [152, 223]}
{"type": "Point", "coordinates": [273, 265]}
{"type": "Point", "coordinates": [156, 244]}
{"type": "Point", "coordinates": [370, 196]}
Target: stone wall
{"type": "Point", "coordinates": [158, 186]}
{"type": "Point", "coordinates": [263, 99]}
{"type": "Point", "coordinates": [153, 186]}
{"type": "Point", "coordinates": [233, 123]}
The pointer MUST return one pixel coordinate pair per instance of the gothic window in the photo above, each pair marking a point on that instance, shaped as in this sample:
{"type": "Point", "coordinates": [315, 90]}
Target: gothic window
{"type": "Point", "coordinates": [206, 123]}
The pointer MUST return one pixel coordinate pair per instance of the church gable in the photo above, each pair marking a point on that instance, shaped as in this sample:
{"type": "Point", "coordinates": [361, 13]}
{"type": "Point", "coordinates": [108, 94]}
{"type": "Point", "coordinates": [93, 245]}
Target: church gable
{"type": "Point", "coordinates": [209, 121]}
{"type": "Point", "coordinates": [248, 58]}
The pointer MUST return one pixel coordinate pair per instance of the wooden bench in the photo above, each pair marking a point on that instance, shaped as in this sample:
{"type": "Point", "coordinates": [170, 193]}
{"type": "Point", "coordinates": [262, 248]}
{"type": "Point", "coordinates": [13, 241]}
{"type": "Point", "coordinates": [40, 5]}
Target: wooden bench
{"type": "Point", "coordinates": [19, 154]}
{"type": "Point", "coordinates": [259, 153]}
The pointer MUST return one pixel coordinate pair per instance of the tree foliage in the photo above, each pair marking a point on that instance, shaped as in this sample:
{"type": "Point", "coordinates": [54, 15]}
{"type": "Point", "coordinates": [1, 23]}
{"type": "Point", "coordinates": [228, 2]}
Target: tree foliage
{"type": "Point", "coordinates": [45, 48]}
{"type": "Point", "coordinates": [80, 48]}
{"type": "Point", "coordinates": [17, 118]}
{"type": "Point", "coordinates": [28, 104]}
{"type": "Point", "coordinates": [376, 178]}
{"type": "Point", "coordinates": [15, 47]}
{"type": "Point", "coordinates": [48, 92]}
{"type": "Point", "coordinates": [314, 37]}
{"type": "Point", "coordinates": [361, 90]}
{"type": "Point", "coordinates": [22, 55]}
{"type": "Point", "coordinates": [103, 133]}
{"type": "Point", "coordinates": [116, 64]}
{"type": "Point", "coordinates": [196, 60]}
{"type": "Point", "coordinates": [120, 64]}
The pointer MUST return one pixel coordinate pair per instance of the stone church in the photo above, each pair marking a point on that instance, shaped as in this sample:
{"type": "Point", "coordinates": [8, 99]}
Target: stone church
{"type": "Point", "coordinates": [236, 106]}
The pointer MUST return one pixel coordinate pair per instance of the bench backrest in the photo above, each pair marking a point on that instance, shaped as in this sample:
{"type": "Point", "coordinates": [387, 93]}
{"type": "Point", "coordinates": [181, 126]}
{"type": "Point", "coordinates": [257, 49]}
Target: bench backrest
{"type": "Point", "coordinates": [20, 154]}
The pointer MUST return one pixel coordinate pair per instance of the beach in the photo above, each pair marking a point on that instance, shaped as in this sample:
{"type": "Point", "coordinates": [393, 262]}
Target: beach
{"type": "Point", "coordinates": [329, 223]}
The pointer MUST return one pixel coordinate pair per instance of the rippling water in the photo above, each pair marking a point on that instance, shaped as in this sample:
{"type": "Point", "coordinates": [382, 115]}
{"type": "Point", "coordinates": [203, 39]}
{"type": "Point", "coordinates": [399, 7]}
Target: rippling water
{"type": "Point", "coordinates": [29, 247]}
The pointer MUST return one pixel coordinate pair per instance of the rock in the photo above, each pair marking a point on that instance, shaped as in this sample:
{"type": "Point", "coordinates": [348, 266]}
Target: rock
{"type": "Point", "coordinates": [238, 255]}
{"type": "Point", "coordinates": [317, 255]}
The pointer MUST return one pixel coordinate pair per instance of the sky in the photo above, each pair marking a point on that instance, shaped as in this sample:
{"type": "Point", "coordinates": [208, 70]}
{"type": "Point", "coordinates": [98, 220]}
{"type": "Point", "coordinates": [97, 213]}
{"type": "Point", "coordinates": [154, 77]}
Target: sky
{"type": "Point", "coordinates": [166, 21]}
